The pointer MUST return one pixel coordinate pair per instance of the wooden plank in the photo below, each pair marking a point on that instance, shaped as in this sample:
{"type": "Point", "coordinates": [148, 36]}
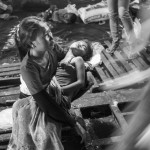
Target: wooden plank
{"type": "Point", "coordinates": [10, 65]}
{"type": "Point", "coordinates": [91, 146]}
{"type": "Point", "coordinates": [4, 131]}
{"type": "Point", "coordinates": [10, 73]}
{"type": "Point", "coordinates": [9, 81]}
{"type": "Point", "coordinates": [125, 64]}
{"type": "Point", "coordinates": [3, 87]}
{"type": "Point", "coordinates": [3, 147]}
{"type": "Point", "coordinates": [135, 61]}
{"type": "Point", "coordinates": [125, 55]}
{"type": "Point", "coordinates": [106, 141]}
{"type": "Point", "coordinates": [9, 69]}
{"type": "Point", "coordinates": [144, 64]}
{"type": "Point", "coordinates": [4, 138]}
{"type": "Point", "coordinates": [109, 66]}
{"type": "Point", "coordinates": [122, 122]}
{"type": "Point", "coordinates": [101, 73]}
{"type": "Point", "coordinates": [114, 64]}
{"type": "Point", "coordinates": [133, 78]}
{"type": "Point", "coordinates": [120, 58]}
{"type": "Point", "coordinates": [146, 55]}
{"type": "Point", "coordinates": [7, 102]}
{"type": "Point", "coordinates": [88, 140]}
{"type": "Point", "coordinates": [8, 93]}
{"type": "Point", "coordinates": [128, 113]}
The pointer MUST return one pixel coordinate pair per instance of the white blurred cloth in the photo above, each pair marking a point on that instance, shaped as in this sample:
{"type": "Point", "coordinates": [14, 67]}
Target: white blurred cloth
{"type": "Point", "coordinates": [6, 118]}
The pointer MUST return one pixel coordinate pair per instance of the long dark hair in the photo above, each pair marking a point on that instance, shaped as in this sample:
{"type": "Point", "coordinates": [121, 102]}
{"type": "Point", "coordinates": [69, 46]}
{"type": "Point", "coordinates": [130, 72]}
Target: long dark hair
{"type": "Point", "coordinates": [27, 31]}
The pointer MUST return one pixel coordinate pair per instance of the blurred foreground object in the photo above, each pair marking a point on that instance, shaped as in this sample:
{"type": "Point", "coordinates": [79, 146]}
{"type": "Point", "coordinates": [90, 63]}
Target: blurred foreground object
{"type": "Point", "coordinates": [6, 10]}
{"type": "Point", "coordinates": [138, 134]}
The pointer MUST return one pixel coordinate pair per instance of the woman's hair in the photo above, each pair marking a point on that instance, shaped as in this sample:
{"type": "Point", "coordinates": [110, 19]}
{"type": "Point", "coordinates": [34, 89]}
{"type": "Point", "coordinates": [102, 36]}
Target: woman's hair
{"type": "Point", "coordinates": [88, 51]}
{"type": "Point", "coordinates": [27, 32]}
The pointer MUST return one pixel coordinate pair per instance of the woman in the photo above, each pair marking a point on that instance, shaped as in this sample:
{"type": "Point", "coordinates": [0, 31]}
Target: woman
{"type": "Point", "coordinates": [120, 9]}
{"type": "Point", "coordinates": [37, 118]}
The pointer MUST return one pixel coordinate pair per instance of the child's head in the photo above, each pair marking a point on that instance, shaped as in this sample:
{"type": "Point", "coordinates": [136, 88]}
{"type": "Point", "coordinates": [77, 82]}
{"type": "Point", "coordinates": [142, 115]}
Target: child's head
{"type": "Point", "coordinates": [67, 17]}
{"type": "Point", "coordinates": [28, 30]}
{"type": "Point", "coordinates": [82, 48]}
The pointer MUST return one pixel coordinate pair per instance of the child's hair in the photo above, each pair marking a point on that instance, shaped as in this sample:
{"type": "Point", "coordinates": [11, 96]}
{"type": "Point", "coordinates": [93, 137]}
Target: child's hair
{"type": "Point", "coordinates": [88, 51]}
{"type": "Point", "coordinates": [26, 33]}
{"type": "Point", "coordinates": [72, 19]}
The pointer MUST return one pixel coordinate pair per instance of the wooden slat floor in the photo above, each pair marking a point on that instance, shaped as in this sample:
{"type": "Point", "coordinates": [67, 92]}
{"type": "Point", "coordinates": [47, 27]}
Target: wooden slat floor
{"type": "Point", "coordinates": [113, 67]}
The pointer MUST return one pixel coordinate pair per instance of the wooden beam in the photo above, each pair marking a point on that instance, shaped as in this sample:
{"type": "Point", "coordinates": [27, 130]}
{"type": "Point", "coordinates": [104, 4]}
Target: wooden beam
{"type": "Point", "coordinates": [114, 64]}
{"type": "Point", "coordinates": [11, 73]}
{"type": "Point", "coordinates": [109, 66]}
{"type": "Point", "coordinates": [120, 57]}
{"type": "Point", "coordinates": [101, 73]}
{"type": "Point", "coordinates": [106, 141]}
{"type": "Point", "coordinates": [8, 93]}
{"type": "Point", "coordinates": [2, 70]}
{"type": "Point", "coordinates": [9, 81]}
{"type": "Point", "coordinates": [119, 117]}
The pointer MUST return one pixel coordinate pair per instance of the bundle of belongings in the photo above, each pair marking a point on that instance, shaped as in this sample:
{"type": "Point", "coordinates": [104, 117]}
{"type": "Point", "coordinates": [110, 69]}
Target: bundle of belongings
{"type": "Point", "coordinates": [94, 13]}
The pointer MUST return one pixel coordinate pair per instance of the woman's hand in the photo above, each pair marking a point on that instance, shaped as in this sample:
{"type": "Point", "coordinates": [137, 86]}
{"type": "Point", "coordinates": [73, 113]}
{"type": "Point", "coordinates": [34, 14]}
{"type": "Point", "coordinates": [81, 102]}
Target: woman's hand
{"type": "Point", "coordinates": [81, 131]}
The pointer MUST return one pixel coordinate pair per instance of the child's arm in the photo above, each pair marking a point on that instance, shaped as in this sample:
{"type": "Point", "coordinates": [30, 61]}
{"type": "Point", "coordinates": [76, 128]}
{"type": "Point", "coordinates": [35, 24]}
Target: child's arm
{"type": "Point", "coordinates": [80, 73]}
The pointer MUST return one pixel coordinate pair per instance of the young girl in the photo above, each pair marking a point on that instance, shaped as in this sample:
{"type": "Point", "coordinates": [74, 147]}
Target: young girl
{"type": "Point", "coordinates": [37, 118]}
{"type": "Point", "coordinates": [71, 74]}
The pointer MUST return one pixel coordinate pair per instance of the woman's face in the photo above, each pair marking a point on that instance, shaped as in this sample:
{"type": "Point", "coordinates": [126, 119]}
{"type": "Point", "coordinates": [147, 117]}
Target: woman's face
{"type": "Point", "coordinates": [81, 46]}
{"type": "Point", "coordinates": [44, 40]}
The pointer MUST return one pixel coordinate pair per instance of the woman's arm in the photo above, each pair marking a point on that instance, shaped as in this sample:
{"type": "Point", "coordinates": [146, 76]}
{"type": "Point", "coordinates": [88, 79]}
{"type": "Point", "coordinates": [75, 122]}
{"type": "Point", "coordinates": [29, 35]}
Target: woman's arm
{"type": "Point", "coordinates": [46, 103]}
{"type": "Point", "coordinates": [61, 52]}
{"type": "Point", "coordinates": [80, 73]}
{"type": "Point", "coordinates": [52, 109]}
